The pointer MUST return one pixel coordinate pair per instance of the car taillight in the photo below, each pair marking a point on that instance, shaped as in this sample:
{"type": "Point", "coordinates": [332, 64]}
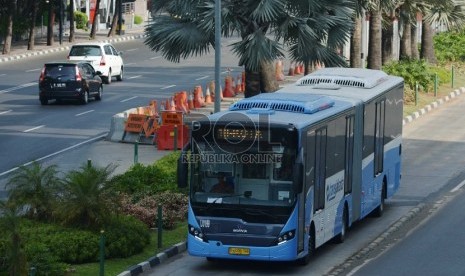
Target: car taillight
{"type": "Point", "coordinates": [102, 61]}
{"type": "Point", "coordinates": [42, 74]}
{"type": "Point", "coordinates": [78, 74]}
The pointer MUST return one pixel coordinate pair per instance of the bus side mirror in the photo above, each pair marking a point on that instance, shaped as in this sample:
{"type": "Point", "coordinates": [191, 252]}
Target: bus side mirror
{"type": "Point", "coordinates": [183, 168]}
{"type": "Point", "coordinates": [297, 180]}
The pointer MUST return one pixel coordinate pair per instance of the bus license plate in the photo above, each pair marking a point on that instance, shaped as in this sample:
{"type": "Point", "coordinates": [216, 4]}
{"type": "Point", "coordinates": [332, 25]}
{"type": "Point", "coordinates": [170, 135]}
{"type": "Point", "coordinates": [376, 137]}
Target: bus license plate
{"type": "Point", "coordinates": [239, 251]}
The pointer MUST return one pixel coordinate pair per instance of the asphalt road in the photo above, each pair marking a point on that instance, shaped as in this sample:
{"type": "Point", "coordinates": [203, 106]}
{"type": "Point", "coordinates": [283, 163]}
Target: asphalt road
{"type": "Point", "coordinates": [29, 131]}
{"type": "Point", "coordinates": [433, 248]}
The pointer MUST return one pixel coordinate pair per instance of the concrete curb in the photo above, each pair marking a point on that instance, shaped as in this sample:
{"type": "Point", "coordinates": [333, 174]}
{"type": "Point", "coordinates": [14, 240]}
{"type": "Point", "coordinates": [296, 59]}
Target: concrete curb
{"type": "Point", "coordinates": [154, 261]}
{"type": "Point", "coordinates": [433, 105]}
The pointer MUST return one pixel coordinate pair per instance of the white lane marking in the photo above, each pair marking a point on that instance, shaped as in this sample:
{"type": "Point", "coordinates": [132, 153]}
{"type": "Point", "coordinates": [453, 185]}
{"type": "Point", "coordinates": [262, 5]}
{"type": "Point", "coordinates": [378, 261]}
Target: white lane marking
{"type": "Point", "coordinates": [458, 187]}
{"type": "Point", "coordinates": [155, 57]}
{"type": "Point", "coordinates": [55, 153]}
{"type": "Point", "coordinates": [1, 75]}
{"type": "Point", "coordinates": [34, 128]}
{"type": "Point", "coordinates": [130, 50]}
{"type": "Point", "coordinates": [166, 87]}
{"type": "Point", "coordinates": [5, 112]}
{"type": "Point", "coordinates": [201, 78]}
{"type": "Point", "coordinates": [33, 70]}
{"type": "Point", "coordinates": [131, 63]}
{"type": "Point", "coordinates": [17, 87]}
{"type": "Point", "coordinates": [135, 77]}
{"type": "Point", "coordinates": [128, 99]}
{"type": "Point", "coordinates": [79, 114]}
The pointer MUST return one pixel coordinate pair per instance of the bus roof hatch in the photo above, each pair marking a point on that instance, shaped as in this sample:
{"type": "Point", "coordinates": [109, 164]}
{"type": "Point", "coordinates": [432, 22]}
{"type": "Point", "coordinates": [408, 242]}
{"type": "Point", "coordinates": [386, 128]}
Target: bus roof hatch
{"type": "Point", "coordinates": [309, 106]}
{"type": "Point", "coordinates": [343, 77]}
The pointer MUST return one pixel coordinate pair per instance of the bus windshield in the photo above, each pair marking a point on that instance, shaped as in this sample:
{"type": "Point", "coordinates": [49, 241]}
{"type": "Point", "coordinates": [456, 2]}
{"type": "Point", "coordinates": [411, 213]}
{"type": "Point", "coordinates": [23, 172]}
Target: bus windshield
{"type": "Point", "coordinates": [259, 174]}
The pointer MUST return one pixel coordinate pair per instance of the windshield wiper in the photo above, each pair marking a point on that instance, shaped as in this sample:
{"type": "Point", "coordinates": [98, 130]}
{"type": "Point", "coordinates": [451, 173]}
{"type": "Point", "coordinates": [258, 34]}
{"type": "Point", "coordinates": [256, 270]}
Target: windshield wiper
{"type": "Point", "coordinates": [225, 196]}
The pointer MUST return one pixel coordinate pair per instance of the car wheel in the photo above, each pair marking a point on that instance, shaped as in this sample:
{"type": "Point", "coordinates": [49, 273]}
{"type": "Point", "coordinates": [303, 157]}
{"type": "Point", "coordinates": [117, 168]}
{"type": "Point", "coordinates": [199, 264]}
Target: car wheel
{"type": "Point", "coordinates": [98, 97]}
{"type": "Point", "coordinates": [85, 97]}
{"type": "Point", "coordinates": [120, 76]}
{"type": "Point", "coordinates": [108, 79]}
{"type": "Point", "coordinates": [43, 101]}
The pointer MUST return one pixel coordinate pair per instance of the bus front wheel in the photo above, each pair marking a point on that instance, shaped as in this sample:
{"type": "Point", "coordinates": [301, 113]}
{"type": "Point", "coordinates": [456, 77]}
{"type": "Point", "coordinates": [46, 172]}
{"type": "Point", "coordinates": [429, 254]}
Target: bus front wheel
{"type": "Point", "coordinates": [311, 249]}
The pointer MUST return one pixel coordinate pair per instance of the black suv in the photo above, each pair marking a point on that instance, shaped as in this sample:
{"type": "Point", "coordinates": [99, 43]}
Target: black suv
{"type": "Point", "coordinates": [69, 80]}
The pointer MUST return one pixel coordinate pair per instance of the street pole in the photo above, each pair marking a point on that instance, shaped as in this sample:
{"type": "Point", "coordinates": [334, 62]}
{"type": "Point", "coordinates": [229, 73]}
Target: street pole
{"type": "Point", "coordinates": [217, 55]}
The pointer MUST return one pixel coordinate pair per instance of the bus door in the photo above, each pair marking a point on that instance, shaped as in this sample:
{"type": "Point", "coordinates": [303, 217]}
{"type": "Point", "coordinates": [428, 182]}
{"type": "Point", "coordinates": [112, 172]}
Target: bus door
{"type": "Point", "coordinates": [320, 182]}
{"type": "Point", "coordinates": [379, 139]}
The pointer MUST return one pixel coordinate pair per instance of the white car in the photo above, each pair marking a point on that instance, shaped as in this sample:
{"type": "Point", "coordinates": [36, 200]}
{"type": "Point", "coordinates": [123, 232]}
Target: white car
{"type": "Point", "coordinates": [103, 57]}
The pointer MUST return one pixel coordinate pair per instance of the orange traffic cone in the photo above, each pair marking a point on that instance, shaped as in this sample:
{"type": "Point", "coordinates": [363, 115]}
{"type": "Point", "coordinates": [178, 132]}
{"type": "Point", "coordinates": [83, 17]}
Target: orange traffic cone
{"type": "Point", "coordinates": [198, 99]}
{"type": "Point", "coordinates": [211, 85]}
{"type": "Point", "coordinates": [208, 97]}
{"type": "Point", "coordinates": [291, 70]}
{"type": "Point", "coordinates": [228, 90]}
{"type": "Point", "coordinates": [182, 102]}
{"type": "Point", "coordinates": [296, 69]}
{"type": "Point", "coordinates": [172, 105]}
{"type": "Point", "coordinates": [279, 70]}
{"type": "Point", "coordinates": [190, 102]}
{"type": "Point", "coordinates": [238, 86]}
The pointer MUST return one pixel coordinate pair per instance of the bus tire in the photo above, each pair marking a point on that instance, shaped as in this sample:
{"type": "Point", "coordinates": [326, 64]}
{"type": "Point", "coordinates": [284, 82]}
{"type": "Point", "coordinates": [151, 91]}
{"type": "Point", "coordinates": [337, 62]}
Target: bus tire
{"type": "Point", "coordinates": [340, 238]}
{"type": "Point", "coordinates": [311, 249]}
{"type": "Point", "coordinates": [378, 212]}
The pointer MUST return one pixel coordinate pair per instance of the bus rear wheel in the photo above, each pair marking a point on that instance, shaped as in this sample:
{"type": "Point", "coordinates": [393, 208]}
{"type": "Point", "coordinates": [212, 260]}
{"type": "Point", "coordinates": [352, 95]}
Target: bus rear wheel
{"type": "Point", "coordinates": [345, 222]}
{"type": "Point", "coordinates": [378, 212]}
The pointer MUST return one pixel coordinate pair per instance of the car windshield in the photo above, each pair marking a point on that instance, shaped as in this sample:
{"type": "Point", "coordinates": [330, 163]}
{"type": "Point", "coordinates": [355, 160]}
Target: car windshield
{"type": "Point", "coordinates": [85, 50]}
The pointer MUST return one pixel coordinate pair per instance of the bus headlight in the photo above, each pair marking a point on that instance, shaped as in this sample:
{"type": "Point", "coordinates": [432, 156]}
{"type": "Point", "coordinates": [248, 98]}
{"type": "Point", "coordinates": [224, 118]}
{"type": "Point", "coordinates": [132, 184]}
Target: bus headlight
{"type": "Point", "coordinates": [286, 236]}
{"type": "Point", "coordinates": [197, 233]}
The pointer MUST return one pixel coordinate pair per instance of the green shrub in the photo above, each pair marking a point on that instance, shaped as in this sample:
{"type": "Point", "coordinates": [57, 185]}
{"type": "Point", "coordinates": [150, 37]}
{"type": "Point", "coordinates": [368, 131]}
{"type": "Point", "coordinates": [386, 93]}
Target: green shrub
{"type": "Point", "coordinates": [413, 71]}
{"type": "Point", "coordinates": [81, 20]}
{"type": "Point", "coordinates": [449, 46]}
{"type": "Point", "coordinates": [68, 245]}
{"type": "Point", "coordinates": [138, 19]}
{"type": "Point", "coordinates": [141, 180]}
{"type": "Point", "coordinates": [125, 236]}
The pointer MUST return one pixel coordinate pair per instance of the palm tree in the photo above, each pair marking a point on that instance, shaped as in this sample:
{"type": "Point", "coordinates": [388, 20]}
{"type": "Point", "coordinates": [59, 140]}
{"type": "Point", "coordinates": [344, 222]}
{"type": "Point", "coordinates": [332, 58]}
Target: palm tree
{"type": "Point", "coordinates": [9, 29]}
{"type": "Point", "coordinates": [85, 198]}
{"type": "Point", "coordinates": [31, 39]}
{"type": "Point", "coordinates": [9, 227]}
{"type": "Point", "coordinates": [71, 21]}
{"type": "Point", "coordinates": [448, 13]}
{"type": "Point", "coordinates": [35, 187]}
{"type": "Point", "coordinates": [374, 42]}
{"type": "Point", "coordinates": [94, 21]}
{"type": "Point", "coordinates": [312, 30]}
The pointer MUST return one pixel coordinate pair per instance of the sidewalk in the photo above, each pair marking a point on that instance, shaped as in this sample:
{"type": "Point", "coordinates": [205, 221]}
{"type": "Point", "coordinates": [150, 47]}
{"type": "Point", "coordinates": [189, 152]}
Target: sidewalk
{"type": "Point", "coordinates": [19, 48]}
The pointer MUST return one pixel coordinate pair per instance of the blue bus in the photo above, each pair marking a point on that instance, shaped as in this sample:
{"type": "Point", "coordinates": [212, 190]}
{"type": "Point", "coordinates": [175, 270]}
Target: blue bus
{"type": "Point", "coordinates": [301, 165]}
